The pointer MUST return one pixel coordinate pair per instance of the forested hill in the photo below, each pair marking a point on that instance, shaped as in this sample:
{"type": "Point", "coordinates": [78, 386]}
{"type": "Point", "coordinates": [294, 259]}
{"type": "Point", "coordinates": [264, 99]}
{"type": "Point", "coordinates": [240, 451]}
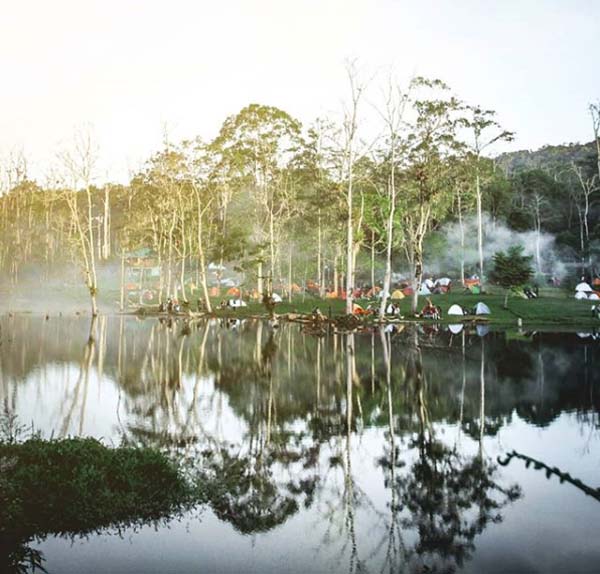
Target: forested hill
{"type": "Point", "coordinates": [550, 157]}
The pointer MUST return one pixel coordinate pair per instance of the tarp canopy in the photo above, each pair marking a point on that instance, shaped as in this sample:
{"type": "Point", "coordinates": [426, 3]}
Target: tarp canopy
{"type": "Point", "coordinates": [397, 294]}
{"type": "Point", "coordinates": [443, 281]}
{"type": "Point", "coordinates": [424, 290]}
{"type": "Point", "coordinates": [583, 286]}
{"type": "Point", "coordinates": [481, 309]}
{"type": "Point", "coordinates": [455, 310]}
{"type": "Point", "coordinates": [455, 329]}
{"type": "Point", "coordinates": [580, 295]}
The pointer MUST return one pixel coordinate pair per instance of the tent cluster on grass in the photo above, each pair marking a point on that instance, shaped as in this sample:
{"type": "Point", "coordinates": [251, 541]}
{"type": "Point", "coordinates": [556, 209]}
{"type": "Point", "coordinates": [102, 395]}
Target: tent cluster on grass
{"type": "Point", "coordinates": [479, 309]}
{"type": "Point", "coordinates": [584, 291]}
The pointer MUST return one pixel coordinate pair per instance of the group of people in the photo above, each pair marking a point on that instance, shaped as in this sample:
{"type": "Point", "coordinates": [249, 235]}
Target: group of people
{"type": "Point", "coordinates": [431, 311]}
{"type": "Point", "coordinates": [170, 306]}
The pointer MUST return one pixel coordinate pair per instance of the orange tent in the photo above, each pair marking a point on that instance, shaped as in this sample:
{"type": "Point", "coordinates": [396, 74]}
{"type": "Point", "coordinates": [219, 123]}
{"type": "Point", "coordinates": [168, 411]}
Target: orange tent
{"type": "Point", "coordinates": [358, 310]}
{"type": "Point", "coordinates": [213, 292]}
{"type": "Point", "coordinates": [233, 292]}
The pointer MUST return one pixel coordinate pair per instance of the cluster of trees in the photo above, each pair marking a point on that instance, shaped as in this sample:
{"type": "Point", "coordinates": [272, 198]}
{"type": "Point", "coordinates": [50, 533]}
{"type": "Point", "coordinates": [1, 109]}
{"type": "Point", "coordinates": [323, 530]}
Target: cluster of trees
{"type": "Point", "coordinates": [287, 204]}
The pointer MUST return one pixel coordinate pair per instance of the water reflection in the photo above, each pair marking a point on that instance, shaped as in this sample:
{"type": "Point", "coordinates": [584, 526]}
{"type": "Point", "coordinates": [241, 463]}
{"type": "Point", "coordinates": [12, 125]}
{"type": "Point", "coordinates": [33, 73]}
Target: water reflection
{"type": "Point", "coordinates": [384, 444]}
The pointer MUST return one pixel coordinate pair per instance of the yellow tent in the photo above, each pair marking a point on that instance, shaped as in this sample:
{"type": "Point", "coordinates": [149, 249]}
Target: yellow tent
{"type": "Point", "coordinates": [397, 294]}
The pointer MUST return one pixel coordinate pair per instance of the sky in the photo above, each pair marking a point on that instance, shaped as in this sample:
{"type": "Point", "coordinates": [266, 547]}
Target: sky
{"type": "Point", "coordinates": [135, 70]}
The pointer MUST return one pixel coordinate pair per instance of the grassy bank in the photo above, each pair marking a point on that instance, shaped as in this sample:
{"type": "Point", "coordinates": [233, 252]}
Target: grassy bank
{"type": "Point", "coordinates": [553, 307]}
{"type": "Point", "coordinates": [78, 485]}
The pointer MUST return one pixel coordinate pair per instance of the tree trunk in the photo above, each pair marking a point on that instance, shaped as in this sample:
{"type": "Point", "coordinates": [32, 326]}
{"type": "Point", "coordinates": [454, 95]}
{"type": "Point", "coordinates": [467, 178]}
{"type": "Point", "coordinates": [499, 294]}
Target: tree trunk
{"type": "Point", "coordinates": [479, 224]}
{"type": "Point", "coordinates": [418, 276]}
{"type": "Point", "coordinates": [461, 226]}
{"type": "Point", "coordinates": [122, 294]}
{"type": "Point", "coordinates": [387, 280]}
{"type": "Point", "coordinates": [290, 276]}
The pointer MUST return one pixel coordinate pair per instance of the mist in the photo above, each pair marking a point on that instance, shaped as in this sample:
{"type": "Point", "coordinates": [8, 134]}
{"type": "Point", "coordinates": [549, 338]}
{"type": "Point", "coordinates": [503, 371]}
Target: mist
{"type": "Point", "coordinates": [496, 237]}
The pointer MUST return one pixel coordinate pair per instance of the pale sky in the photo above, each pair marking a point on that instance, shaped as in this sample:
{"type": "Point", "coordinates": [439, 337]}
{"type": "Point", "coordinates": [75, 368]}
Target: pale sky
{"type": "Point", "coordinates": [130, 67]}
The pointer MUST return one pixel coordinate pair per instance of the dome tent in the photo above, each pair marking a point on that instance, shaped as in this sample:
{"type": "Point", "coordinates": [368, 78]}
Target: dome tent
{"type": "Point", "coordinates": [583, 286]}
{"type": "Point", "coordinates": [397, 294]}
{"type": "Point", "coordinates": [424, 290]}
{"type": "Point", "coordinates": [481, 309]}
{"type": "Point", "coordinates": [580, 295]}
{"type": "Point", "coordinates": [455, 310]}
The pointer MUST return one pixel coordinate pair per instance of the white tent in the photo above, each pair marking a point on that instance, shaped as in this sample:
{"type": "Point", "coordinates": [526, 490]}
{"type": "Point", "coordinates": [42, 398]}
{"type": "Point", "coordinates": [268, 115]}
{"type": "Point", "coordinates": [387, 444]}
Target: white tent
{"type": "Point", "coordinates": [276, 297]}
{"type": "Point", "coordinates": [236, 303]}
{"type": "Point", "coordinates": [594, 297]}
{"type": "Point", "coordinates": [583, 286]}
{"type": "Point", "coordinates": [481, 309]}
{"type": "Point", "coordinates": [456, 329]}
{"type": "Point", "coordinates": [444, 281]}
{"type": "Point", "coordinates": [429, 283]}
{"type": "Point", "coordinates": [215, 267]}
{"type": "Point", "coordinates": [455, 310]}
{"type": "Point", "coordinates": [424, 290]}
{"type": "Point", "coordinates": [580, 295]}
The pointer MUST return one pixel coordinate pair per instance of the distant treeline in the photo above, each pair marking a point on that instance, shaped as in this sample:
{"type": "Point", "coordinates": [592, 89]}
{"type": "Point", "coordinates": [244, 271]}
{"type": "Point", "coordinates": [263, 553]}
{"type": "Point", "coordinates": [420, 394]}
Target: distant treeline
{"type": "Point", "coordinates": [285, 204]}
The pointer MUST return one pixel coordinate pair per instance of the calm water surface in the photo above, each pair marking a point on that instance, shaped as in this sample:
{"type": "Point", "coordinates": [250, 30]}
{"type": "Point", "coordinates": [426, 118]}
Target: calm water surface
{"type": "Point", "coordinates": [413, 451]}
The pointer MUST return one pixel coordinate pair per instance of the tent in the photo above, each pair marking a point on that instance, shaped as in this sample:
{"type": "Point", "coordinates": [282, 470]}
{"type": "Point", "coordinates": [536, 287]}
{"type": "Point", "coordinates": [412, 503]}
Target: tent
{"type": "Point", "coordinates": [407, 291]}
{"type": "Point", "coordinates": [429, 283]}
{"type": "Point", "coordinates": [391, 309]}
{"type": "Point", "coordinates": [236, 303]}
{"type": "Point", "coordinates": [397, 294]}
{"type": "Point", "coordinates": [233, 292]}
{"type": "Point", "coordinates": [424, 290]}
{"type": "Point", "coordinates": [481, 309]}
{"type": "Point", "coordinates": [583, 286]}
{"type": "Point", "coordinates": [456, 310]}
{"type": "Point", "coordinates": [594, 297]}
{"type": "Point", "coordinates": [455, 329]}
{"type": "Point", "coordinates": [580, 295]}
{"type": "Point", "coordinates": [276, 297]}
{"type": "Point", "coordinates": [443, 281]}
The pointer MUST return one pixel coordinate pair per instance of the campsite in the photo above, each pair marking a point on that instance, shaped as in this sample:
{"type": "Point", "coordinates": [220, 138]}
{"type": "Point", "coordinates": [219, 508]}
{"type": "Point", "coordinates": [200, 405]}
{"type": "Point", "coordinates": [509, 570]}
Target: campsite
{"type": "Point", "coordinates": [300, 287]}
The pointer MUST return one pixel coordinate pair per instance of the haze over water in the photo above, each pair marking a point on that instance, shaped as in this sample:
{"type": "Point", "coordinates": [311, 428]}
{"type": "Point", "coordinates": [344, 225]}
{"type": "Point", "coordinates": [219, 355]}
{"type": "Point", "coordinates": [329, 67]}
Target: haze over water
{"type": "Point", "coordinates": [333, 452]}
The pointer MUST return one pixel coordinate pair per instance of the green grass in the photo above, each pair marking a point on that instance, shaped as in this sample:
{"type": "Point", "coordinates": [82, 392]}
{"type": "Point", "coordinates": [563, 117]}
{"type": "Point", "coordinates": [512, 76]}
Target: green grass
{"type": "Point", "coordinates": [553, 307]}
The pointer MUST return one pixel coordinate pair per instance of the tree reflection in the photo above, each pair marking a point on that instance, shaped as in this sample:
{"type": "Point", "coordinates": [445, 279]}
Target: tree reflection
{"type": "Point", "coordinates": [440, 499]}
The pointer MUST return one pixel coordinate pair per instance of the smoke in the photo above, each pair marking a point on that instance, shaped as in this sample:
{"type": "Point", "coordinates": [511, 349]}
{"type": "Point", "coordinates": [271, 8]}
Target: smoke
{"type": "Point", "coordinates": [496, 237]}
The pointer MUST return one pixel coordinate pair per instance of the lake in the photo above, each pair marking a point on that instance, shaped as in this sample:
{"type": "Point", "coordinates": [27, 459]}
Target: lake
{"type": "Point", "coordinates": [425, 449]}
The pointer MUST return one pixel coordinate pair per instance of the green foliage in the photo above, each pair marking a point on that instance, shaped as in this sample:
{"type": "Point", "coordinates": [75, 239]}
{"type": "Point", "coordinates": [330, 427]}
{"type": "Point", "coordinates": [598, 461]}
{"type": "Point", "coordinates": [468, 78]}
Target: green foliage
{"type": "Point", "coordinates": [511, 268]}
{"type": "Point", "coordinates": [78, 485]}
